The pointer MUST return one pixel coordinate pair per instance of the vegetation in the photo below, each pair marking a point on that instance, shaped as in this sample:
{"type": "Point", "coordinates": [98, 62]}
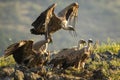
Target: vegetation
{"type": "Point", "coordinates": [9, 61]}
{"type": "Point", "coordinates": [109, 66]}
{"type": "Point", "coordinates": [109, 46]}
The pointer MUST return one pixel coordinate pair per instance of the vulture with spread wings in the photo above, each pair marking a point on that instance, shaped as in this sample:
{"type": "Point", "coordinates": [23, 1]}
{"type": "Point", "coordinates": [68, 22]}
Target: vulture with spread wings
{"type": "Point", "coordinates": [48, 22]}
{"type": "Point", "coordinates": [21, 51]}
{"type": "Point", "coordinates": [25, 53]}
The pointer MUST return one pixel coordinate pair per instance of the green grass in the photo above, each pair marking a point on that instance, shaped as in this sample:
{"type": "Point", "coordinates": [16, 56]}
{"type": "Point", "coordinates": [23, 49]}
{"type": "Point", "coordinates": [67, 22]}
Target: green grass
{"type": "Point", "coordinates": [6, 61]}
{"type": "Point", "coordinates": [113, 47]}
{"type": "Point", "coordinates": [109, 46]}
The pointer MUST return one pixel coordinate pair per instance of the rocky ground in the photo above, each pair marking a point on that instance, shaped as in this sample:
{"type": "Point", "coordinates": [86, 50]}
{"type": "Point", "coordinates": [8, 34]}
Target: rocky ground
{"type": "Point", "coordinates": [101, 66]}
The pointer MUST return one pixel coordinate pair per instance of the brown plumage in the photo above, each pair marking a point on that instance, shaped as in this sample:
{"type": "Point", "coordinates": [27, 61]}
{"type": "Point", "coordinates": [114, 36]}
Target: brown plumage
{"type": "Point", "coordinates": [81, 43]}
{"type": "Point", "coordinates": [41, 46]}
{"type": "Point", "coordinates": [86, 51]}
{"type": "Point", "coordinates": [68, 51]}
{"type": "Point", "coordinates": [72, 57]}
{"type": "Point", "coordinates": [24, 54]}
{"type": "Point", "coordinates": [48, 22]}
{"type": "Point", "coordinates": [21, 51]}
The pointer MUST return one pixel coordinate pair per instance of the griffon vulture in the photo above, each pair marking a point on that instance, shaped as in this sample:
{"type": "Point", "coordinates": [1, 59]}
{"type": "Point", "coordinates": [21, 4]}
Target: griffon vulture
{"type": "Point", "coordinates": [21, 51]}
{"type": "Point", "coordinates": [24, 53]}
{"type": "Point", "coordinates": [72, 57]}
{"type": "Point", "coordinates": [48, 22]}
{"type": "Point", "coordinates": [86, 52]}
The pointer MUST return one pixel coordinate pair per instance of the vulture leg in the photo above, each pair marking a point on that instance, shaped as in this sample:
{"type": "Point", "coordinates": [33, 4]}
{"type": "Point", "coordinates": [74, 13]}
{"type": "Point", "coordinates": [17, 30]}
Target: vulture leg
{"type": "Point", "coordinates": [46, 36]}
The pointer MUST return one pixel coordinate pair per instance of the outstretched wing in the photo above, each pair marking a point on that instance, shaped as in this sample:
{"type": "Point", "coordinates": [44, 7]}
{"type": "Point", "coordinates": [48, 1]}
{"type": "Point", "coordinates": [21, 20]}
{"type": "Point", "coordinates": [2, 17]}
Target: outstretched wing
{"type": "Point", "coordinates": [10, 50]}
{"type": "Point", "coordinates": [20, 51]}
{"type": "Point", "coordinates": [41, 23]}
{"type": "Point", "coordinates": [70, 13]}
{"type": "Point", "coordinates": [13, 47]}
{"type": "Point", "coordinates": [40, 45]}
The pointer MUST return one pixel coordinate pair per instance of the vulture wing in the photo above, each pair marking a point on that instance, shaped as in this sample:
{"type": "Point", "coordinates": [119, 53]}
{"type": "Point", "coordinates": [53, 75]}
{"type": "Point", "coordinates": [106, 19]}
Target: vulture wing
{"type": "Point", "coordinates": [70, 13]}
{"type": "Point", "coordinates": [11, 49]}
{"type": "Point", "coordinates": [21, 51]}
{"type": "Point", "coordinates": [41, 23]}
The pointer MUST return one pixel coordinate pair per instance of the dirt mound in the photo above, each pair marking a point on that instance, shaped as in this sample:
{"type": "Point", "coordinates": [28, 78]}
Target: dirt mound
{"type": "Point", "coordinates": [9, 73]}
{"type": "Point", "coordinates": [95, 69]}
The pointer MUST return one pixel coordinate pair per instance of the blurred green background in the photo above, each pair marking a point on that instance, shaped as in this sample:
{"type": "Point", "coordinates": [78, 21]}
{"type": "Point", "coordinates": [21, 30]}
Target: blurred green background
{"type": "Point", "coordinates": [98, 19]}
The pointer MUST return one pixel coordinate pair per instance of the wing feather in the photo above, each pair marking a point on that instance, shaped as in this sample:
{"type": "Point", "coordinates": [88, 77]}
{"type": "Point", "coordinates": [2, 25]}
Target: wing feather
{"type": "Point", "coordinates": [11, 49]}
{"type": "Point", "coordinates": [21, 51]}
{"type": "Point", "coordinates": [41, 23]}
{"type": "Point", "coordinates": [70, 13]}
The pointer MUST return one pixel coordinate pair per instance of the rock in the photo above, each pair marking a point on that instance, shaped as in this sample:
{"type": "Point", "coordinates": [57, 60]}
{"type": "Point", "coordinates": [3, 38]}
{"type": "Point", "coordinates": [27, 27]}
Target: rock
{"type": "Point", "coordinates": [107, 55]}
{"type": "Point", "coordinates": [32, 76]}
{"type": "Point", "coordinates": [118, 54]}
{"type": "Point", "coordinates": [95, 57]}
{"type": "Point", "coordinates": [39, 70]}
{"type": "Point", "coordinates": [58, 77]}
{"type": "Point", "coordinates": [5, 73]}
{"type": "Point", "coordinates": [19, 75]}
{"type": "Point", "coordinates": [114, 67]}
{"type": "Point", "coordinates": [6, 78]}
{"type": "Point", "coordinates": [98, 75]}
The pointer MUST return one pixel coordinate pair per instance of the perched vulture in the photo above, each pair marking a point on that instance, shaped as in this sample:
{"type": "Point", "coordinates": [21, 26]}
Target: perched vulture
{"type": "Point", "coordinates": [48, 22]}
{"type": "Point", "coordinates": [24, 54]}
{"type": "Point", "coordinates": [72, 57]}
{"type": "Point", "coordinates": [68, 51]}
{"type": "Point", "coordinates": [86, 51]}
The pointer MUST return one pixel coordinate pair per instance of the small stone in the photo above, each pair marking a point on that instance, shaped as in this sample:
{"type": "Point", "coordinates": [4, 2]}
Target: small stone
{"type": "Point", "coordinates": [19, 75]}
